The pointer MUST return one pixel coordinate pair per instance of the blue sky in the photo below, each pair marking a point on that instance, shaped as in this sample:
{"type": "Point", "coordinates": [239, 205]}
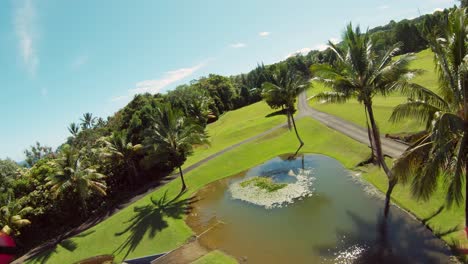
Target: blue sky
{"type": "Point", "coordinates": [60, 59]}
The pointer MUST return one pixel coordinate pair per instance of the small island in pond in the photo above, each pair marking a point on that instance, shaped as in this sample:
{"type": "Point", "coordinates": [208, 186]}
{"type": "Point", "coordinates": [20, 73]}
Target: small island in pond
{"type": "Point", "coordinates": [263, 183]}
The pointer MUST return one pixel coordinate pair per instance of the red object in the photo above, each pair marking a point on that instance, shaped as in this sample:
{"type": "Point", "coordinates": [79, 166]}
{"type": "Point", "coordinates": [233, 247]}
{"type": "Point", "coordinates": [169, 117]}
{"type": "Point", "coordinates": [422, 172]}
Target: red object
{"type": "Point", "coordinates": [7, 246]}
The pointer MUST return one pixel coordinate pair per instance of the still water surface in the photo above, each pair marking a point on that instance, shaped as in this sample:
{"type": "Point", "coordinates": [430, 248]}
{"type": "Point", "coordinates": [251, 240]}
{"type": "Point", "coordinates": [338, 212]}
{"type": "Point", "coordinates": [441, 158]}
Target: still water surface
{"type": "Point", "coordinates": [339, 223]}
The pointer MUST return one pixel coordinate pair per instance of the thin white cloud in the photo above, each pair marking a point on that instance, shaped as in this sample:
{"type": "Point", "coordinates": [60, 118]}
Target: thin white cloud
{"type": "Point", "coordinates": [238, 45]}
{"type": "Point", "coordinates": [170, 77]}
{"type": "Point", "coordinates": [334, 40]}
{"type": "Point", "coordinates": [264, 34]}
{"type": "Point", "coordinates": [321, 47]}
{"type": "Point", "coordinates": [79, 61]}
{"type": "Point", "coordinates": [302, 51]}
{"type": "Point", "coordinates": [24, 21]}
{"type": "Point", "coordinates": [383, 7]}
{"type": "Point", "coordinates": [438, 10]}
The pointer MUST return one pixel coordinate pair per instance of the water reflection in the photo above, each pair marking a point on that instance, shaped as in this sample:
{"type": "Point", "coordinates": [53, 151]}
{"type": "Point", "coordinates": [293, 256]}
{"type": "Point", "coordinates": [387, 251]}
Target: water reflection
{"type": "Point", "coordinates": [339, 223]}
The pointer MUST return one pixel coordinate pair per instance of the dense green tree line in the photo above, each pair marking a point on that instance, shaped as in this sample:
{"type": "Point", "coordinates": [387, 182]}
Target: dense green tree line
{"type": "Point", "coordinates": [105, 161]}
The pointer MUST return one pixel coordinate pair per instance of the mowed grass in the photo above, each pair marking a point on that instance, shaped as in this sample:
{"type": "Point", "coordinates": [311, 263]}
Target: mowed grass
{"type": "Point", "coordinates": [145, 228]}
{"type": "Point", "coordinates": [215, 257]}
{"type": "Point", "coordinates": [234, 127]}
{"type": "Point", "coordinates": [383, 106]}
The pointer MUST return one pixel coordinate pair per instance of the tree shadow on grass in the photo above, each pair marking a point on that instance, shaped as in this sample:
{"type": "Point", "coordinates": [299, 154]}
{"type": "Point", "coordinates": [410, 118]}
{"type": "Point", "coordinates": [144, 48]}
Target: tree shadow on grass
{"type": "Point", "coordinates": [68, 245]}
{"type": "Point", "coordinates": [277, 113]}
{"type": "Point", "coordinates": [150, 218]}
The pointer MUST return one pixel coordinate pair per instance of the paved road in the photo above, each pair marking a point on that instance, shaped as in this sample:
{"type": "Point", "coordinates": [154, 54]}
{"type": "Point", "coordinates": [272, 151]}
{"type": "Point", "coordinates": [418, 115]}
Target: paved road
{"type": "Point", "coordinates": [390, 147]}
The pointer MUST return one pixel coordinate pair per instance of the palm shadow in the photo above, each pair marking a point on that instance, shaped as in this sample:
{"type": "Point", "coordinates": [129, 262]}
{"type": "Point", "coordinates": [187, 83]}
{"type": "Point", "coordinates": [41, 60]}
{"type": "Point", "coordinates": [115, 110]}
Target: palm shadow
{"type": "Point", "coordinates": [68, 245]}
{"type": "Point", "coordinates": [151, 218]}
{"type": "Point", "coordinates": [399, 239]}
{"type": "Point", "coordinates": [277, 113]}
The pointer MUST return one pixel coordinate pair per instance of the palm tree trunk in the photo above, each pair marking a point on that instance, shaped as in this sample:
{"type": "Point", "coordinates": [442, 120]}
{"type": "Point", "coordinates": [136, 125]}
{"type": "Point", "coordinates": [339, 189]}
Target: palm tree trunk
{"type": "Point", "coordinates": [378, 147]}
{"type": "Point", "coordinates": [372, 158]}
{"type": "Point", "coordinates": [378, 143]}
{"type": "Point", "coordinates": [184, 187]}
{"type": "Point", "coordinates": [297, 133]}
{"type": "Point", "coordinates": [388, 196]}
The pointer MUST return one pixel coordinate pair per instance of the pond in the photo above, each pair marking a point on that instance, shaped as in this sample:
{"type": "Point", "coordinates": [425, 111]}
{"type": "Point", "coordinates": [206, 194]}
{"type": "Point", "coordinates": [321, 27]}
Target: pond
{"type": "Point", "coordinates": [336, 220]}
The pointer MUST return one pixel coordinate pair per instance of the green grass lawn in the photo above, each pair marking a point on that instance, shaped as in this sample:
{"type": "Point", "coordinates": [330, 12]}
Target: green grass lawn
{"type": "Point", "coordinates": [156, 224]}
{"type": "Point", "coordinates": [149, 227]}
{"type": "Point", "coordinates": [215, 257]}
{"type": "Point", "coordinates": [383, 106]}
{"type": "Point", "coordinates": [236, 126]}
{"type": "Point", "coordinates": [143, 229]}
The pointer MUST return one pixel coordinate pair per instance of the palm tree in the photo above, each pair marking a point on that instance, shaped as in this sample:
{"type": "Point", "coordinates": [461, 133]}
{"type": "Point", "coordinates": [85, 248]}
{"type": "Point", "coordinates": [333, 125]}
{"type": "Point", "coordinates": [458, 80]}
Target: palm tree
{"type": "Point", "coordinates": [72, 174]}
{"type": "Point", "coordinates": [12, 217]}
{"type": "Point", "coordinates": [173, 135]}
{"type": "Point", "coordinates": [117, 148]}
{"type": "Point", "coordinates": [87, 121]}
{"type": "Point", "coordinates": [281, 90]}
{"type": "Point", "coordinates": [361, 72]}
{"type": "Point", "coordinates": [443, 151]}
{"type": "Point", "coordinates": [74, 129]}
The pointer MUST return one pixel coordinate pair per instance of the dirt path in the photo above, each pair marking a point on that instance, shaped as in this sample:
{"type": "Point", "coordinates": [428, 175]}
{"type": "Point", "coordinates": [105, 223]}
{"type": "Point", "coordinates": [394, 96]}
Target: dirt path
{"type": "Point", "coordinates": [390, 147]}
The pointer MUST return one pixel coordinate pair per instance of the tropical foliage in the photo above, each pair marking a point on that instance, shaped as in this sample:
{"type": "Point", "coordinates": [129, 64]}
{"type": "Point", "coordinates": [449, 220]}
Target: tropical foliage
{"type": "Point", "coordinates": [12, 217]}
{"type": "Point", "coordinates": [443, 150]}
{"type": "Point", "coordinates": [172, 135]}
{"type": "Point", "coordinates": [74, 173]}
{"type": "Point", "coordinates": [106, 160]}
{"type": "Point", "coordinates": [360, 72]}
{"type": "Point", "coordinates": [281, 90]}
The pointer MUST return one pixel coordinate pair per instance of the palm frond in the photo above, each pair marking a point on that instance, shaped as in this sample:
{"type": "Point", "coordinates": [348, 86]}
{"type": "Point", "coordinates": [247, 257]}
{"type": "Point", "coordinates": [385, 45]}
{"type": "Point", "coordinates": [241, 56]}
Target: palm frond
{"type": "Point", "coordinates": [331, 97]}
{"type": "Point", "coordinates": [419, 110]}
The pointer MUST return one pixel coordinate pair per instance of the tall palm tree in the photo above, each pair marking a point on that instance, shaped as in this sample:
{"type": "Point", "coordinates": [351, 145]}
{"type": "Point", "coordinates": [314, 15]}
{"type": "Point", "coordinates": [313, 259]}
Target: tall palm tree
{"type": "Point", "coordinates": [361, 72]}
{"type": "Point", "coordinates": [12, 217]}
{"type": "Point", "coordinates": [74, 129]}
{"type": "Point", "coordinates": [443, 151]}
{"type": "Point", "coordinates": [117, 148]}
{"type": "Point", "coordinates": [73, 174]}
{"type": "Point", "coordinates": [281, 90]}
{"type": "Point", "coordinates": [87, 121]}
{"type": "Point", "coordinates": [173, 135]}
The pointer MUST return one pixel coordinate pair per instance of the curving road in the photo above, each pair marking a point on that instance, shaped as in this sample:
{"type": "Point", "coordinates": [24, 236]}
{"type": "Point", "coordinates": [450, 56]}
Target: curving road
{"type": "Point", "coordinates": [390, 147]}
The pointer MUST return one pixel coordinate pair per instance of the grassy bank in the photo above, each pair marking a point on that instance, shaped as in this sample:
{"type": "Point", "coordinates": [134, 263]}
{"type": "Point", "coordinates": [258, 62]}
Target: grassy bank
{"type": "Point", "coordinates": [234, 127]}
{"type": "Point", "coordinates": [215, 257]}
{"type": "Point", "coordinates": [144, 228]}
{"type": "Point", "coordinates": [149, 227]}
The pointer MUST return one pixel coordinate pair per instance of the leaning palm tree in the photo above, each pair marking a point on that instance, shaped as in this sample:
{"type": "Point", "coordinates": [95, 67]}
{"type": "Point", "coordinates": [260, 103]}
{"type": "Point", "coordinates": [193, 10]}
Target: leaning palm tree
{"type": "Point", "coordinates": [74, 129]}
{"type": "Point", "coordinates": [117, 148]}
{"type": "Point", "coordinates": [443, 151]}
{"type": "Point", "coordinates": [72, 174]}
{"type": "Point", "coordinates": [87, 121]}
{"type": "Point", "coordinates": [361, 72]}
{"type": "Point", "coordinates": [281, 90]}
{"type": "Point", "coordinates": [12, 217]}
{"type": "Point", "coordinates": [173, 135]}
